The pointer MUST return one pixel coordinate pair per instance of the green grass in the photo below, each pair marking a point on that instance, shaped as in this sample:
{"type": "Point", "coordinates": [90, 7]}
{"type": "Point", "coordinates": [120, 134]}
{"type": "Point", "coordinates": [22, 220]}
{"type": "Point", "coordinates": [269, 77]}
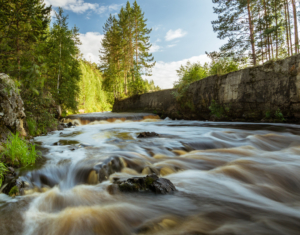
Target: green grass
{"type": "Point", "coordinates": [18, 151]}
{"type": "Point", "coordinates": [3, 169]}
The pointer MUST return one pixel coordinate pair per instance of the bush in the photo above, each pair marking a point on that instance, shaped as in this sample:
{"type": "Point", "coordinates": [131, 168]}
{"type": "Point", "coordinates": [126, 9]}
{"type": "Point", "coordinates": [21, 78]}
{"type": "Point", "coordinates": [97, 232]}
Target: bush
{"type": "Point", "coordinates": [18, 151]}
{"type": "Point", "coordinates": [2, 171]}
{"type": "Point", "coordinates": [279, 115]}
{"type": "Point", "coordinates": [218, 110]}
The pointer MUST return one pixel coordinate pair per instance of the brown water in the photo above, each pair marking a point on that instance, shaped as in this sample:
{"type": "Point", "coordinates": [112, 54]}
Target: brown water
{"type": "Point", "coordinates": [232, 178]}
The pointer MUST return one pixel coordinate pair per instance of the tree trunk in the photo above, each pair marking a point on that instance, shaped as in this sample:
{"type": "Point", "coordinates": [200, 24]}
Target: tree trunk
{"type": "Point", "coordinates": [267, 26]}
{"type": "Point", "coordinates": [290, 32]}
{"type": "Point", "coordinates": [286, 27]}
{"type": "Point", "coordinates": [251, 33]}
{"type": "Point", "coordinates": [276, 32]}
{"type": "Point", "coordinates": [295, 26]}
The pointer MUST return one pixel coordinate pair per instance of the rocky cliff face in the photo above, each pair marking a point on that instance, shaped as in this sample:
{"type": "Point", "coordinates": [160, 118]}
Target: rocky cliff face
{"type": "Point", "coordinates": [250, 94]}
{"type": "Point", "coordinates": [11, 108]}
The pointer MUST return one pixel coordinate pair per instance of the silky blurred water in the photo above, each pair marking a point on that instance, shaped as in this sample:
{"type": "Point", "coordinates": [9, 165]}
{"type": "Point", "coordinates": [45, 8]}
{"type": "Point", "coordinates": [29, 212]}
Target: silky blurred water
{"type": "Point", "coordinates": [232, 178]}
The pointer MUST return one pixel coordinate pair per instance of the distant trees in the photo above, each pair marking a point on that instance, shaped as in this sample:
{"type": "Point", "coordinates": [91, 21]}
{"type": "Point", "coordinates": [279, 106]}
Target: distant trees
{"type": "Point", "coordinates": [125, 56]}
{"type": "Point", "coordinates": [259, 29]}
{"type": "Point", "coordinates": [192, 72]}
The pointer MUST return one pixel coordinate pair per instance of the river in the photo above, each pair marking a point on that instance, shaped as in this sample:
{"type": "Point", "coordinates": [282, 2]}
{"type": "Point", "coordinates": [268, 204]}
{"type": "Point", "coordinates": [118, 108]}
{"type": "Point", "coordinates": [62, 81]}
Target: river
{"type": "Point", "coordinates": [231, 178]}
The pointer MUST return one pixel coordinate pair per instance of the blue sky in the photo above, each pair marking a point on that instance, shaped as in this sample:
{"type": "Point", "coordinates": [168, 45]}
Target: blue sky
{"type": "Point", "coordinates": [181, 30]}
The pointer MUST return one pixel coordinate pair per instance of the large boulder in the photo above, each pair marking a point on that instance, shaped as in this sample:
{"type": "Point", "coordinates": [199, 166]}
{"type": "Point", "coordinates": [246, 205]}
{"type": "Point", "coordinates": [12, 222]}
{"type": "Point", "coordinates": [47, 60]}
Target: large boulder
{"type": "Point", "coordinates": [11, 108]}
{"type": "Point", "coordinates": [149, 183]}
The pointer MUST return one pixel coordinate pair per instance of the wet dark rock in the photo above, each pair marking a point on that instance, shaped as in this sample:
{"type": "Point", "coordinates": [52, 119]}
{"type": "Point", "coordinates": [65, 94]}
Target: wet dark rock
{"type": "Point", "coordinates": [150, 183]}
{"type": "Point", "coordinates": [108, 167]}
{"type": "Point", "coordinates": [70, 124]}
{"type": "Point", "coordinates": [60, 127]}
{"type": "Point", "coordinates": [147, 134]}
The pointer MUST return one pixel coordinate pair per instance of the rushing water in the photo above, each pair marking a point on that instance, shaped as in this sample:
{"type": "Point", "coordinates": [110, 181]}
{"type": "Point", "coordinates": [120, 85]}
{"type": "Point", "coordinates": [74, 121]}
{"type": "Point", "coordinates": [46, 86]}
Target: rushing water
{"type": "Point", "coordinates": [232, 178]}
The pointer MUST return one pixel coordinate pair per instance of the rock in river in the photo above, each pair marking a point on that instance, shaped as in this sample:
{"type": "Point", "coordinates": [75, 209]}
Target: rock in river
{"type": "Point", "coordinates": [147, 134]}
{"type": "Point", "coordinates": [150, 183]}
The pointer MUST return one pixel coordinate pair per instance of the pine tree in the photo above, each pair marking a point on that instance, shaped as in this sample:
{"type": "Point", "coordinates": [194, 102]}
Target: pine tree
{"type": "Point", "coordinates": [235, 23]}
{"type": "Point", "coordinates": [125, 53]}
{"type": "Point", "coordinates": [23, 27]}
{"type": "Point", "coordinates": [63, 63]}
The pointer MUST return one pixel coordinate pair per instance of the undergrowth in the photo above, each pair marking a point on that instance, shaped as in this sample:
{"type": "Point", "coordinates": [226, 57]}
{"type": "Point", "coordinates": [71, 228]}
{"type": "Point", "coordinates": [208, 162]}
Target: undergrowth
{"type": "Point", "coordinates": [218, 110]}
{"type": "Point", "coordinates": [18, 152]}
{"type": "Point", "coordinates": [3, 169]}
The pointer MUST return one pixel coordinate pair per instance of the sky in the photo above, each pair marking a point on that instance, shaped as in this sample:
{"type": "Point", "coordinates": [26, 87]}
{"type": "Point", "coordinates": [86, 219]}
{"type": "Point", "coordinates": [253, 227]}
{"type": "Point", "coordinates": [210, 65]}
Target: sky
{"type": "Point", "coordinates": [181, 31]}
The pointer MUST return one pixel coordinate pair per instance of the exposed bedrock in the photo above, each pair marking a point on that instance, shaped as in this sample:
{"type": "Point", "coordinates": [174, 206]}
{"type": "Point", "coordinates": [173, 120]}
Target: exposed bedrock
{"type": "Point", "coordinates": [11, 108]}
{"type": "Point", "coordinates": [250, 94]}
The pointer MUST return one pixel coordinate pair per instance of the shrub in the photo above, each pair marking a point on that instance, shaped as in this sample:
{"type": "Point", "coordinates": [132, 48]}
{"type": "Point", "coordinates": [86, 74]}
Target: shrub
{"type": "Point", "coordinates": [2, 171]}
{"type": "Point", "coordinates": [268, 114]}
{"type": "Point", "coordinates": [18, 151]}
{"type": "Point", "coordinates": [218, 110]}
{"type": "Point", "coordinates": [279, 115]}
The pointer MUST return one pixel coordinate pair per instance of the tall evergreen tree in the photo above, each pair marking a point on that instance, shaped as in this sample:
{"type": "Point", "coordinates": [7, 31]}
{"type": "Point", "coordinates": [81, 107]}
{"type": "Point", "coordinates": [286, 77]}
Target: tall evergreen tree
{"type": "Point", "coordinates": [125, 53]}
{"type": "Point", "coordinates": [64, 72]}
{"type": "Point", "coordinates": [23, 28]}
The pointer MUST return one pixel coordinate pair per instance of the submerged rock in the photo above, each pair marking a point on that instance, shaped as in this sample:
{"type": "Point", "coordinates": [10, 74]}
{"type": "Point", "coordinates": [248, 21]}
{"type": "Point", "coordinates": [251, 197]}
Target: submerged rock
{"type": "Point", "coordinates": [147, 134]}
{"type": "Point", "coordinates": [150, 183]}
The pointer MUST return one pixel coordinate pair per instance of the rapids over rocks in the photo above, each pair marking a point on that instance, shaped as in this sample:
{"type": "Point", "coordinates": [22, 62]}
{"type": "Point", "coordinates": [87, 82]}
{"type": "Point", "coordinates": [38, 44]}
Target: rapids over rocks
{"type": "Point", "coordinates": [230, 178]}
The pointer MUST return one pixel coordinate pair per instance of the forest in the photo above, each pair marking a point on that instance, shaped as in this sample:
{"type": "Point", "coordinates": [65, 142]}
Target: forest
{"type": "Point", "coordinates": [40, 53]}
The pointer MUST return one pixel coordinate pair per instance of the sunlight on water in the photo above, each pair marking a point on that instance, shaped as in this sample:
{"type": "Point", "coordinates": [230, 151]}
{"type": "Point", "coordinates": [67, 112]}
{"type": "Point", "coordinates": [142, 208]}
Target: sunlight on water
{"type": "Point", "coordinates": [232, 178]}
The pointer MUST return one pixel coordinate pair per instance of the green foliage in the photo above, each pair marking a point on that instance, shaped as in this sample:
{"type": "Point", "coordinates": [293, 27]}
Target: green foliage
{"type": "Point", "coordinates": [63, 63]}
{"type": "Point", "coordinates": [18, 151]}
{"type": "Point", "coordinates": [223, 66]}
{"type": "Point", "coordinates": [13, 191]}
{"type": "Point", "coordinates": [279, 115]}
{"type": "Point", "coordinates": [31, 126]}
{"type": "Point", "coordinates": [3, 169]}
{"type": "Point", "coordinates": [190, 73]}
{"type": "Point", "coordinates": [218, 110]}
{"type": "Point", "coordinates": [256, 29]}
{"type": "Point", "coordinates": [268, 115]}
{"type": "Point", "coordinates": [91, 96]}
{"type": "Point", "coordinates": [126, 53]}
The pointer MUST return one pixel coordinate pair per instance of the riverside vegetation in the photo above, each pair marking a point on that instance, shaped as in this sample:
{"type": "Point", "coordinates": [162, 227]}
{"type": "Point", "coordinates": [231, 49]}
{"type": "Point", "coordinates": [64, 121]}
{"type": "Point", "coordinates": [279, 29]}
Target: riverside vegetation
{"type": "Point", "coordinates": [51, 76]}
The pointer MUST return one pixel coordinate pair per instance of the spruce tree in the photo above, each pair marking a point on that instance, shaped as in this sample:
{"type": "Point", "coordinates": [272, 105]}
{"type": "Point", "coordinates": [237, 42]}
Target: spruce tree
{"type": "Point", "coordinates": [64, 72]}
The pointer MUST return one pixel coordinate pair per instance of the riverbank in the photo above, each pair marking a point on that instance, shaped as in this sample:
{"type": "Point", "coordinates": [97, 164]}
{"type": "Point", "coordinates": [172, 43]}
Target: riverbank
{"type": "Point", "coordinates": [268, 93]}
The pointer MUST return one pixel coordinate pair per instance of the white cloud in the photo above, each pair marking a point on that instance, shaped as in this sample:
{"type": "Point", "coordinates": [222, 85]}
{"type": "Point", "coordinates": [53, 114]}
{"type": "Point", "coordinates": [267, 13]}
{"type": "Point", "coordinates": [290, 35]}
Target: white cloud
{"type": "Point", "coordinates": [171, 45]}
{"type": "Point", "coordinates": [157, 27]}
{"type": "Point", "coordinates": [173, 34]}
{"type": "Point", "coordinates": [164, 74]}
{"type": "Point", "coordinates": [158, 40]}
{"type": "Point", "coordinates": [91, 44]}
{"type": "Point", "coordinates": [154, 48]}
{"type": "Point", "coordinates": [79, 6]}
